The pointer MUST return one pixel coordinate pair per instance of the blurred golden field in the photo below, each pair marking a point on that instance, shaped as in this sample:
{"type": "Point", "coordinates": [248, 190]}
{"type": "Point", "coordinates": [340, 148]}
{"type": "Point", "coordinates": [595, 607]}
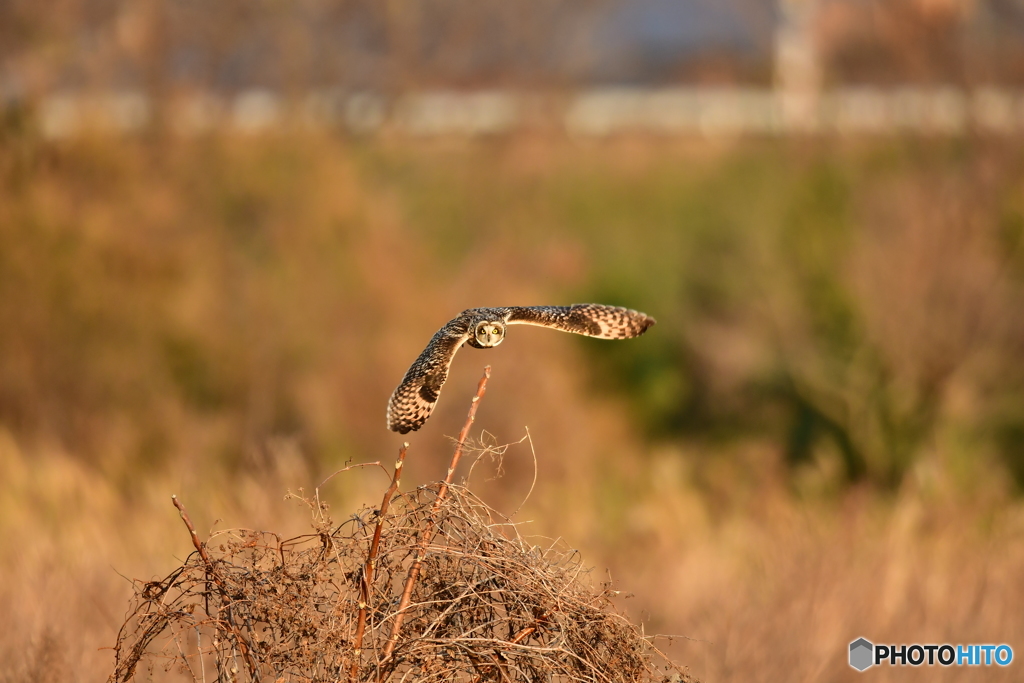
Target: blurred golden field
{"type": "Point", "coordinates": [822, 438]}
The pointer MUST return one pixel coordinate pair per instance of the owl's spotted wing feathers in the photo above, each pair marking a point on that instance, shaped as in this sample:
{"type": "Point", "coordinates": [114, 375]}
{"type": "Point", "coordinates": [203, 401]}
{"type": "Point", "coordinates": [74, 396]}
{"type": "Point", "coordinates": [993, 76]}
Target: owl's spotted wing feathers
{"type": "Point", "coordinates": [416, 396]}
{"type": "Point", "coordinates": [592, 320]}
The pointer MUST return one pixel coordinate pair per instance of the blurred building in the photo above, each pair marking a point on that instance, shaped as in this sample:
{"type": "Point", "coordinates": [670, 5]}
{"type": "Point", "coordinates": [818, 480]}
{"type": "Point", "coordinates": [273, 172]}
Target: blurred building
{"type": "Point", "coordinates": [798, 70]}
{"type": "Point", "coordinates": [430, 68]}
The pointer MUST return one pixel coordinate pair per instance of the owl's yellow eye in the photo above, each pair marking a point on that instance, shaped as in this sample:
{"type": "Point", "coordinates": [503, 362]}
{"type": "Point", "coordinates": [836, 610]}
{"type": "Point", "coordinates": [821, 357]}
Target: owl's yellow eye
{"type": "Point", "coordinates": [497, 331]}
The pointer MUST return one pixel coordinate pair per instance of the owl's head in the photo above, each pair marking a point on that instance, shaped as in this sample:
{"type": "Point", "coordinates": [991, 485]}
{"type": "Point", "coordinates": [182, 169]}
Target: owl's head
{"type": "Point", "coordinates": [488, 333]}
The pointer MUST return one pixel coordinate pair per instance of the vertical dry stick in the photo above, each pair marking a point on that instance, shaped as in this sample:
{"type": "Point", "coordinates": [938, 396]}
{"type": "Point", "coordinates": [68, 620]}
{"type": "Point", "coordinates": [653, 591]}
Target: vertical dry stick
{"type": "Point", "coordinates": [428, 532]}
{"type": "Point", "coordinates": [201, 549]}
{"type": "Point", "coordinates": [195, 537]}
{"type": "Point", "coordinates": [366, 589]}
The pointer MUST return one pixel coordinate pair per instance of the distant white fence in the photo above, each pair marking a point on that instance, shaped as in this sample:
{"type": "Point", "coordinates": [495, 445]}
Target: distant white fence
{"type": "Point", "coordinates": [589, 113]}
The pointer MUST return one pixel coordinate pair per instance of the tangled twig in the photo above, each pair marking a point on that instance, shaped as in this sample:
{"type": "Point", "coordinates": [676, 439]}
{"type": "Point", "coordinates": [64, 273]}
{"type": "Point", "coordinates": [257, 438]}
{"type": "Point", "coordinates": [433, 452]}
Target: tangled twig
{"type": "Point", "coordinates": [484, 604]}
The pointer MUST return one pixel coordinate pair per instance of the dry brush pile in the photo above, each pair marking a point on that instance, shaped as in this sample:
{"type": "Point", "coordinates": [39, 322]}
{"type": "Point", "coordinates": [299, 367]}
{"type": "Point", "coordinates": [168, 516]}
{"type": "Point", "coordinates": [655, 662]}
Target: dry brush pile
{"type": "Point", "coordinates": [432, 586]}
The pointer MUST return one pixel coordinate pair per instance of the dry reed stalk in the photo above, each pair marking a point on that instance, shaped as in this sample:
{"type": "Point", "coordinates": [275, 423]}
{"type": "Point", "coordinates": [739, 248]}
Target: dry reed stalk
{"type": "Point", "coordinates": [366, 583]}
{"type": "Point", "coordinates": [421, 551]}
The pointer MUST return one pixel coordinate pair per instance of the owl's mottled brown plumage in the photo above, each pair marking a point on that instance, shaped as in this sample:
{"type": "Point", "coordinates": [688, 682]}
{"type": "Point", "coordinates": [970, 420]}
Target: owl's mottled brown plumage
{"type": "Point", "coordinates": [416, 396]}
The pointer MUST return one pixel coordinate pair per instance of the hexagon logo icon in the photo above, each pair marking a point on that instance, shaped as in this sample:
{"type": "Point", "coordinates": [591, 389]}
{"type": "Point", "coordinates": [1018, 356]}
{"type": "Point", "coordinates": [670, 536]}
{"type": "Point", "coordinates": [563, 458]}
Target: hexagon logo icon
{"type": "Point", "coordinates": [861, 654]}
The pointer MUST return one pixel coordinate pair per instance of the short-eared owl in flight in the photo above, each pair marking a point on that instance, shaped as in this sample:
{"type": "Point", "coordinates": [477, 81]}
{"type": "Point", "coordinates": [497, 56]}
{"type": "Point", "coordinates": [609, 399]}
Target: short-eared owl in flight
{"type": "Point", "coordinates": [483, 328]}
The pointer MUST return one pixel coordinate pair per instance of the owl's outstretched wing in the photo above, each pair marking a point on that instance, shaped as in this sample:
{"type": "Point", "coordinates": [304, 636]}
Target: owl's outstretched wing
{"type": "Point", "coordinates": [592, 320]}
{"type": "Point", "coordinates": [414, 399]}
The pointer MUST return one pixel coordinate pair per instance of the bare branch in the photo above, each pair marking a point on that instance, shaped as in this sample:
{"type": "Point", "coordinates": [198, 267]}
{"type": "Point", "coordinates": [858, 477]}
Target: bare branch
{"type": "Point", "coordinates": [481, 389]}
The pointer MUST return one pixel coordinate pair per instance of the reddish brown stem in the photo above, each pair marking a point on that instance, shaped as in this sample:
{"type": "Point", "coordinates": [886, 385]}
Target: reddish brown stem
{"type": "Point", "coordinates": [428, 532]}
{"type": "Point", "coordinates": [200, 548]}
{"type": "Point", "coordinates": [522, 635]}
{"type": "Point", "coordinates": [366, 587]}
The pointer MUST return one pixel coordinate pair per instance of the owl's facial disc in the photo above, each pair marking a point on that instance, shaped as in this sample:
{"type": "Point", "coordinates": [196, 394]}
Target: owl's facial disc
{"type": "Point", "coordinates": [489, 333]}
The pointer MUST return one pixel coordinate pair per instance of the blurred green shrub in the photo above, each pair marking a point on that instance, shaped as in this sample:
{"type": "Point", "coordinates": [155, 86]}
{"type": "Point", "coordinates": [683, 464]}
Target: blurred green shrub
{"type": "Point", "coordinates": [829, 298]}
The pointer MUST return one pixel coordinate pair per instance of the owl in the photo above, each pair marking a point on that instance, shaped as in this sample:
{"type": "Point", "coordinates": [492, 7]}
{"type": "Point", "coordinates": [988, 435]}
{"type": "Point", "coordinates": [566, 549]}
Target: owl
{"type": "Point", "coordinates": [484, 328]}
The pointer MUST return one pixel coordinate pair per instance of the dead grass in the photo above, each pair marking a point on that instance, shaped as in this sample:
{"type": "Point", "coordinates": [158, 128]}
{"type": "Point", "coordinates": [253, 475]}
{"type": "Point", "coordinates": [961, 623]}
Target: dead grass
{"type": "Point", "coordinates": [768, 587]}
